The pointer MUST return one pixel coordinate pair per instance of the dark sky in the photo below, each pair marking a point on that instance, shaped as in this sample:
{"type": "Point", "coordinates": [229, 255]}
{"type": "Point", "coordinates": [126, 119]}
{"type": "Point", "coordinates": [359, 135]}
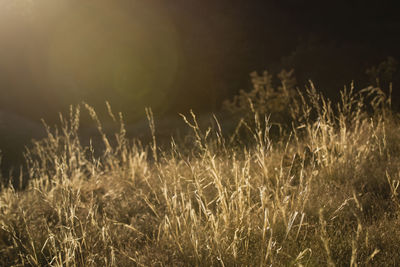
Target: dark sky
{"type": "Point", "coordinates": [180, 54]}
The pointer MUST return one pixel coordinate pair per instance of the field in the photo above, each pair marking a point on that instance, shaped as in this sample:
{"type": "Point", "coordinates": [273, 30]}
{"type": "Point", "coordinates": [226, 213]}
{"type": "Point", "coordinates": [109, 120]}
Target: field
{"type": "Point", "coordinates": [299, 182]}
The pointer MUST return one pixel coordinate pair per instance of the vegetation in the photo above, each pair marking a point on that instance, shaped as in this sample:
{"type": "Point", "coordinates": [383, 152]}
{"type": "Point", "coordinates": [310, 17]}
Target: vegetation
{"type": "Point", "coordinates": [323, 192]}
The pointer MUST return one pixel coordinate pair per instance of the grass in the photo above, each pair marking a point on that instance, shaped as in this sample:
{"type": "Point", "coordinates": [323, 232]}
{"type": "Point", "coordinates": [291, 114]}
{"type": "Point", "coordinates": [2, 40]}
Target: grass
{"type": "Point", "coordinates": [322, 192]}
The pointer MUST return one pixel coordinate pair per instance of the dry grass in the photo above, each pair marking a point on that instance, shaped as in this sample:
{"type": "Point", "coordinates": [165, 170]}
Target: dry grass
{"type": "Point", "coordinates": [324, 193]}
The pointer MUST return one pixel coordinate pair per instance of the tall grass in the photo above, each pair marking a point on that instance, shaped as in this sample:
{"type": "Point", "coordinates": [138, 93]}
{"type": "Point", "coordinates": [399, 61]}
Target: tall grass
{"type": "Point", "coordinates": [323, 193]}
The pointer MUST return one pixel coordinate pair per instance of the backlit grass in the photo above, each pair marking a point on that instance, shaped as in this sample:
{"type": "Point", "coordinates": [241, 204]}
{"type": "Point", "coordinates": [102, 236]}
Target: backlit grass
{"type": "Point", "coordinates": [321, 191]}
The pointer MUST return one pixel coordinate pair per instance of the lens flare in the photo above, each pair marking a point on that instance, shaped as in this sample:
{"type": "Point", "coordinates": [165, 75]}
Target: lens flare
{"type": "Point", "coordinates": [106, 50]}
{"type": "Point", "coordinates": [125, 52]}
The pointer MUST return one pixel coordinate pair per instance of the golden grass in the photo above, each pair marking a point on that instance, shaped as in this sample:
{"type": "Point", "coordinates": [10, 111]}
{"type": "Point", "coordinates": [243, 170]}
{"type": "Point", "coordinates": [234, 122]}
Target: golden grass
{"type": "Point", "coordinates": [323, 193]}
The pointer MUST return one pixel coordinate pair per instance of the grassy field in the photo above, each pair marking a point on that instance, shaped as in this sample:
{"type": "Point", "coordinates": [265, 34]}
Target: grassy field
{"type": "Point", "coordinates": [317, 186]}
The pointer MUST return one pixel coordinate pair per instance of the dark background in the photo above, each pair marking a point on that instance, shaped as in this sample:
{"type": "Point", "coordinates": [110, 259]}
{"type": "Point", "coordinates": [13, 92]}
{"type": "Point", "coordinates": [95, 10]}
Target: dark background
{"type": "Point", "coordinates": [180, 54]}
{"type": "Point", "coordinates": [196, 55]}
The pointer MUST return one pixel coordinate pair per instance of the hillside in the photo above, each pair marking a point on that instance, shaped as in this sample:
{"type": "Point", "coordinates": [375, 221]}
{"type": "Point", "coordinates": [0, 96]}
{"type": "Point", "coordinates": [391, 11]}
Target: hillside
{"type": "Point", "coordinates": [321, 190]}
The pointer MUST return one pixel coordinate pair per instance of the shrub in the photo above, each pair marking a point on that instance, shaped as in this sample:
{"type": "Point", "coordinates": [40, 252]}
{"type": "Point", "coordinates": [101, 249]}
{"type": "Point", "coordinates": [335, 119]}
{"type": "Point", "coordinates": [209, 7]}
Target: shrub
{"type": "Point", "coordinates": [266, 99]}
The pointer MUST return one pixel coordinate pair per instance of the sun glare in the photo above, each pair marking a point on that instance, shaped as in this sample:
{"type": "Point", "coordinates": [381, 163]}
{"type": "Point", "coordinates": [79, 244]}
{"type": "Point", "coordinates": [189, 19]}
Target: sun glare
{"type": "Point", "coordinates": [94, 47]}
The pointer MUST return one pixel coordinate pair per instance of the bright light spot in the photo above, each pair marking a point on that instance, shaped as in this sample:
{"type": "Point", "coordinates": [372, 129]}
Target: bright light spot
{"type": "Point", "coordinates": [124, 50]}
